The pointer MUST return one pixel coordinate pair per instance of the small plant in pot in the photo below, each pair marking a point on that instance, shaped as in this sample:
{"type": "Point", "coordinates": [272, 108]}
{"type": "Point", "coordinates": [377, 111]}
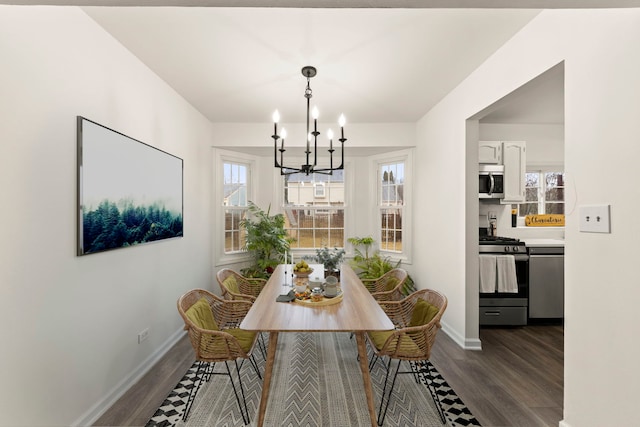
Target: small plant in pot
{"type": "Point", "coordinates": [331, 259]}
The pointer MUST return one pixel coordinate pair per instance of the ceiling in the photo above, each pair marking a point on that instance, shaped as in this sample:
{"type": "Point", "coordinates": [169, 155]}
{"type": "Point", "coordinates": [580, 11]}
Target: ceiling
{"type": "Point", "coordinates": [376, 63]}
{"type": "Point", "coordinates": [540, 101]}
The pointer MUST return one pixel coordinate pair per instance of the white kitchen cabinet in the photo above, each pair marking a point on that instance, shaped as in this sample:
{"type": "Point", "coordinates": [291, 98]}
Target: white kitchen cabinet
{"type": "Point", "coordinates": [515, 163]}
{"type": "Point", "coordinates": [490, 152]}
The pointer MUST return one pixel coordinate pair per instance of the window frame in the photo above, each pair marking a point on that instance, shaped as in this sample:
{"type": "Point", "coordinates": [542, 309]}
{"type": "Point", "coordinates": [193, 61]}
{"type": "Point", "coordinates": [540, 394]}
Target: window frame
{"type": "Point", "coordinates": [377, 162]}
{"type": "Point", "coordinates": [542, 170]}
{"type": "Point", "coordinates": [319, 209]}
{"type": "Point", "coordinates": [222, 157]}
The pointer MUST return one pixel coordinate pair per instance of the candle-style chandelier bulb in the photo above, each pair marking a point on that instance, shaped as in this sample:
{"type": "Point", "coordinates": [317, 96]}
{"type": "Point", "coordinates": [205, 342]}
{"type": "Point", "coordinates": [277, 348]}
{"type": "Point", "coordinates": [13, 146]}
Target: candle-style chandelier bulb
{"type": "Point", "coordinates": [315, 113]}
{"type": "Point", "coordinates": [276, 116]}
{"type": "Point", "coordinates": [329, 134]}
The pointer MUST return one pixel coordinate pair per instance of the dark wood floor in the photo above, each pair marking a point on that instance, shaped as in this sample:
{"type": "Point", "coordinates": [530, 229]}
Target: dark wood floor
{"type": "Point", "coordinates": [140, 402]}
{"type": "Point", "coordinates": [516, 380]}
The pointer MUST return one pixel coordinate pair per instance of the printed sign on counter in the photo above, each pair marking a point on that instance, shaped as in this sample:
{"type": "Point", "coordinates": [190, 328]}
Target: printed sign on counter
{"type": "Point", "coordinates": [547, 220]}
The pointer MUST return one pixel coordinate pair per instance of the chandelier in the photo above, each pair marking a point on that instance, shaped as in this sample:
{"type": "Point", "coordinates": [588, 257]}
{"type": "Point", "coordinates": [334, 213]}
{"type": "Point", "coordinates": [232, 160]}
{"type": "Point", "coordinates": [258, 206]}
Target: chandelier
{"type": "Point", "coordinates": [308, 167]}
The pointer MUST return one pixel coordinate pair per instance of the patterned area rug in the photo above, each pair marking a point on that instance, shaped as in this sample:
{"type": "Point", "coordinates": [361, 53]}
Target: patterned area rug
{"type": "Point", "coordinates": [316, 382]}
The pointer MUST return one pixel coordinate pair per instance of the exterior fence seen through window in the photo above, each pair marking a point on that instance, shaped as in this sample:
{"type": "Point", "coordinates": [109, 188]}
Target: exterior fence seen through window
{"type": "Point", "coordinates": [314, 209]}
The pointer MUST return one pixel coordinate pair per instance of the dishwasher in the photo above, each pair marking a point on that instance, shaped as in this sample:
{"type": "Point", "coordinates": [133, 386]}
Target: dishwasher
{"type": "Point", "coordinates": [546, 282]}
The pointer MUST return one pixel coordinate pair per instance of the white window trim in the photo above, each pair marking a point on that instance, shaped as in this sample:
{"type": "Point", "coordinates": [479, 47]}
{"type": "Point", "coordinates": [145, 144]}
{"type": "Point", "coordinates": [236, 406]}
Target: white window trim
{"type": "Point", "coordinates": [542, 169]}
{"type": "Point", "coordinates": [221, 157]}
{"type": "Point", "coordinates": [377, 161]}
{"type": "Point", "coordinates": [319, 190]}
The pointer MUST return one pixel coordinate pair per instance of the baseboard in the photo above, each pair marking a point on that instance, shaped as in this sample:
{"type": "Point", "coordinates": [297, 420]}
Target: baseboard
{"type": "Point", "coordinates": [92, 415]}
{"type": "Point", "coordinates": [465, 343]}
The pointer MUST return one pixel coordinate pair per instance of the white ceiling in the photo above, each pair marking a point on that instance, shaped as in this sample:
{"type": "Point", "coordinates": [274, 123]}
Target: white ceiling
{"type": "Point", "coordinates": [539, 101]}
{"type": "Point", "coordinates": [376, 62]}
{"type": "Point", "coordinates": [374, 65]}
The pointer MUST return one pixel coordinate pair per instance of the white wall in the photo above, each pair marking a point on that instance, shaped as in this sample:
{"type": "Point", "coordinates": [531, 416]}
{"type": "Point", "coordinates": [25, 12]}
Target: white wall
{"type": "Point", "coordinates": [70, 324]}
{"type": "Point", "coordinates": [601, 133]}
{"type": "Point", "coordinates": [359, 135]}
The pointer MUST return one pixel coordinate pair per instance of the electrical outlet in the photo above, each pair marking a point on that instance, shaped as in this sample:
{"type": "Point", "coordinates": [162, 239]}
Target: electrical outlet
{"type": "Point", "coordinates": [142, 336]}
{"type": "Point", "coordinates": [595, 219]}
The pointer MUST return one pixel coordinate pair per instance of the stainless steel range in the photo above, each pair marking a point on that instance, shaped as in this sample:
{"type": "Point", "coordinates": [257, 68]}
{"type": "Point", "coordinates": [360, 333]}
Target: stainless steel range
{"type": "Point", "coordinates": [496, 306]}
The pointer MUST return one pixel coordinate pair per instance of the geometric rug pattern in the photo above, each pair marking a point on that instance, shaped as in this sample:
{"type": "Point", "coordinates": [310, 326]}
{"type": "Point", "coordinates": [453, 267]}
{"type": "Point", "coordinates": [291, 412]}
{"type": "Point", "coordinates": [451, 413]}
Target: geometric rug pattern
{"type": "Point", "coordinates": [316, 382]}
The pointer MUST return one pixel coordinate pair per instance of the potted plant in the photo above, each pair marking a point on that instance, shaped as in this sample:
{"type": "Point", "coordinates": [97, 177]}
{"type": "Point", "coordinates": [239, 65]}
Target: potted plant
{"type": "Point", "coordinates": [372, 266]}
{"type": "Point", "coordinates": [266, 240]}
{"type": "Point", "coordinates": [331, 259]}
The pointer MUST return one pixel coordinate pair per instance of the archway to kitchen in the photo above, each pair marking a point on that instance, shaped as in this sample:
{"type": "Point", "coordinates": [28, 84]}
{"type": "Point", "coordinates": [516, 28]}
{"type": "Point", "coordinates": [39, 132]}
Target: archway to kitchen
{"type": "Point", "coordinates": [533, 113]}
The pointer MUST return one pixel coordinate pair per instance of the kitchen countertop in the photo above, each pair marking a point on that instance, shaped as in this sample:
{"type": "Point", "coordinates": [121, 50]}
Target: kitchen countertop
{"type": "Point", "coordinates": [540, 243]}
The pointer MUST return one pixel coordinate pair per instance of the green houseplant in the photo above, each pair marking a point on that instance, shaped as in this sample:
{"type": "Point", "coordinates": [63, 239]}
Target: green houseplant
{"type": "Point", "coordinates": [372, 266]}
{"type": "Point", "coordinates": [330, 258]}
{"type": "Point", "coordinates": [266, 240]}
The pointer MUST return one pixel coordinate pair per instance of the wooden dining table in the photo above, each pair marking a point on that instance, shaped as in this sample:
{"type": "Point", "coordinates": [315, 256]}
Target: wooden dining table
{"type": "Point", "coordinates": [358, 312]}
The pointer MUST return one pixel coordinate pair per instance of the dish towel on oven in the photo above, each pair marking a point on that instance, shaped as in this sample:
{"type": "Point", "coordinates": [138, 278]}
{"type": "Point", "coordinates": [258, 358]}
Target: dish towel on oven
{"type": "Point", "coordinates": [506, 272]}
{"type": "Point", "coordinates": [487, 273]}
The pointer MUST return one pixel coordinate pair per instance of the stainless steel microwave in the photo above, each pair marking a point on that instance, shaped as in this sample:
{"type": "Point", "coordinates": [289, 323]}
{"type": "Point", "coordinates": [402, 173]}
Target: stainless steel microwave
{"type": "Point", "coordinates": [491, 181]}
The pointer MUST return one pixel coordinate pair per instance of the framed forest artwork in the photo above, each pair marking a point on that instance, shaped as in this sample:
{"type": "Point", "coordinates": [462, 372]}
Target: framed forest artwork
{"type": "Point", "coordinates": [129, 193]}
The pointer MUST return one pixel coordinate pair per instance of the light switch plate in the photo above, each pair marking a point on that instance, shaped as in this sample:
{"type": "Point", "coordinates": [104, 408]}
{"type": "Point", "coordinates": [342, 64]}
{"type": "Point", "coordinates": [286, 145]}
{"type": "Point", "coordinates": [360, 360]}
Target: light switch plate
{"type": "Point", "coordinates": [595, 219]}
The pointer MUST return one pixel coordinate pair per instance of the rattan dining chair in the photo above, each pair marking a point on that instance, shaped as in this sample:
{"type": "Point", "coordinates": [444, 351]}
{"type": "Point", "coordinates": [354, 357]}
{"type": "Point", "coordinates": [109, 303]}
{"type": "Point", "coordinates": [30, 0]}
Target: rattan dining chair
{"type": "Point", "coordinates": [387, 287]}
{"type": "Point", "coordinates": [235, 286]}
{"type": "Point", "coordinates": [212, 324]}
{"type": "Point", "coordinates": [417, 319]}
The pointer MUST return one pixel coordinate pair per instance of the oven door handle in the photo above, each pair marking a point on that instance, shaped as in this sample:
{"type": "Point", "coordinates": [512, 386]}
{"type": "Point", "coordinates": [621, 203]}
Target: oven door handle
{"type": "Point", "coordinates": [521, 257]}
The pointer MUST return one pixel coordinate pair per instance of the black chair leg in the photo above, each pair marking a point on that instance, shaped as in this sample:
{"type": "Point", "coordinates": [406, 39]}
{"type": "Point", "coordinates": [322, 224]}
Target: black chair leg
{"type": "Point", "coordinates": [372, 362]}
{"type": "Point", "coordinates": [382, 414]}
{"type": "Point", "coordinates": [431, 384]}
{"type": "Point", "coordinates": [208, 371]}
{"type": "Point", "coordinates": [254, 363]}
{"type": "Point", "coordinates": [414, 370]}
{"type": "Point", "coordinates": [262, 346]}
{"type": "Point", "coordinates": [201, 376]}
{"type": "Point", "coordinates": [243, 407]}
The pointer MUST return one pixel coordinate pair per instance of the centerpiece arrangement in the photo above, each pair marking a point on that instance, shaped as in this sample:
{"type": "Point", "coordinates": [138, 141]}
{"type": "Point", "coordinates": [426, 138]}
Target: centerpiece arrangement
{"type": "Point", "coordinates": [317, 295]}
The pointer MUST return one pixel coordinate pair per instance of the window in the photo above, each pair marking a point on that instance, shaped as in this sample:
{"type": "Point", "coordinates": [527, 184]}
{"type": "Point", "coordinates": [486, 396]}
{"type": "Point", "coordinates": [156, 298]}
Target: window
{"type": "Point", "coordinates": [391, 178]}
{"type": "Point", "coordinates": [544, 193]}
{"type": "Point", "coordinates": [235, 190]}
{"type": "Point", "coordinates": [314, 209]}
{"type": "Point", "coordinates": [319, 190]}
